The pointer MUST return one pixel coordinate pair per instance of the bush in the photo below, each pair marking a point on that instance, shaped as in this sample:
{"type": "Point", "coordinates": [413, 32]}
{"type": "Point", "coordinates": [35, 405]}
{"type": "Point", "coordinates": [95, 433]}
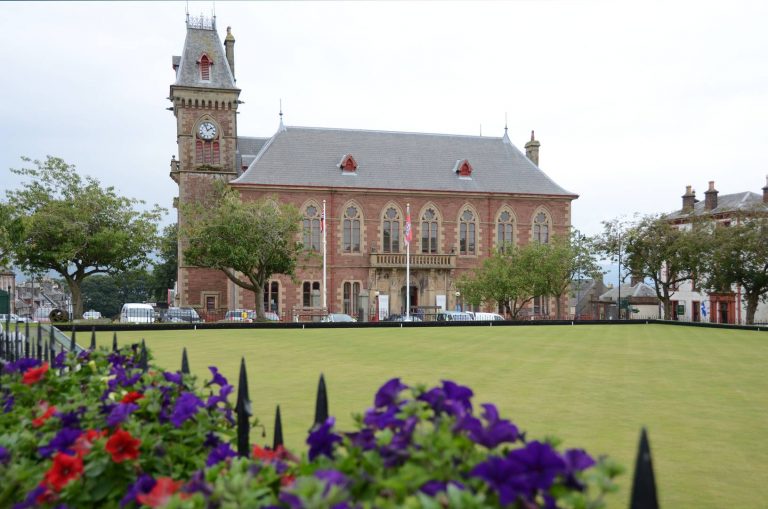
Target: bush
{"type": "Point", "coordinates": [94, 430]}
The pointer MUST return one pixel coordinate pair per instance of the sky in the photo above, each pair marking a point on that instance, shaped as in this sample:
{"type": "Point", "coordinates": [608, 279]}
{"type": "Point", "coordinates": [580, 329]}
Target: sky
{"type": "Point", "coordinates": [631, 101]}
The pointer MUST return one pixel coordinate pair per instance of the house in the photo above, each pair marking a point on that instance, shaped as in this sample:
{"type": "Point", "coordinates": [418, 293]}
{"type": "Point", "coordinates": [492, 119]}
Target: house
{"type": "Point", "coordinates": [638, 302]}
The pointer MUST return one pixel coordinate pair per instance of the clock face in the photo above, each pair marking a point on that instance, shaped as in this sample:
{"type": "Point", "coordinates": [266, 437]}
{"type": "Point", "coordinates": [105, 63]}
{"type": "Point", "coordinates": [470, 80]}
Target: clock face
{"type": "Point", "coordinates": [207, 131]}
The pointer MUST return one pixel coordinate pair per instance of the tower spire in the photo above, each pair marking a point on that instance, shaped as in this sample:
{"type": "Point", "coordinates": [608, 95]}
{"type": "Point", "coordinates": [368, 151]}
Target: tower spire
{"type": "Point", "coordinates": [281, 127]}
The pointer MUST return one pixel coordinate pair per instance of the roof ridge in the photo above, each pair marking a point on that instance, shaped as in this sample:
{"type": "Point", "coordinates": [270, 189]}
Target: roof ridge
{"type": "Point", "coordinates": [490, 138]}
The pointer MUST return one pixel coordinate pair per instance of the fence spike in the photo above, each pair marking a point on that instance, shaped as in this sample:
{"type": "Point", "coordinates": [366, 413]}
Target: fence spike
{"type": "Point", "coordinates": [644, 483]}
{"type": "Point", "coordinates": [143, 357]}
{"type": "Point", "coordinates": [93, 338]}
{"type": "Point", "coordinates": [278, 438]}
{"type": "Point", "coordinates": [26, 340]}
{"type": "Point", "coordinates": [184, 362]}
{"type": "Point", "coordinates": [39, 343]}
{"type": "Point", "coordinates": [243, 409]}
{"type": "Point", "coordinates": [321, 404]}
{"type": "Point", "coordinates": [114, 341]}
{"type": "Point", "coordinates": [73, 341]}
{"type": "Point", "coordinates": [17, 350]}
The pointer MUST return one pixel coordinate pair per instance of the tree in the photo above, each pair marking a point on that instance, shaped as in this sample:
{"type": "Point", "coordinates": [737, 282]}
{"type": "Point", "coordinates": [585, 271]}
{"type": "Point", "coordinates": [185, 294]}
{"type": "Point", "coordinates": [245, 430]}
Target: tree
{"type": "Point", "coordinates": [106, 293]}
{"type": "Point", "coordinates": [8, 225]}
{"type": "Point", "coordinates": [164, 271]}
{"type": "Point", "coordinates": [510, 277]}
{"type": "Point", "coordinates": [249, 241]}
{"type": "Point", "coordinates": [738, 254]}
{"type": "Point", "coordinates": [665, 254]}
{"type": "Point", "coordinates": [563, 260]}
{"type": "Point", "coordinates": [72, 226]}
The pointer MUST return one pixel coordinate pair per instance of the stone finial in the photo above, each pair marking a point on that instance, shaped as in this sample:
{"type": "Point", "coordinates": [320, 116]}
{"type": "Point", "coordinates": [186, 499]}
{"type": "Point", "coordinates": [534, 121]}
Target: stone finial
{"type": "Point", "coordinates": [710, 196]}
{"type": "Point", "coordinates": [229, 49]}
{"type": "Point", "coordinates": [689, 199]}
{"type": "Point", "coordinates": [765, 190]}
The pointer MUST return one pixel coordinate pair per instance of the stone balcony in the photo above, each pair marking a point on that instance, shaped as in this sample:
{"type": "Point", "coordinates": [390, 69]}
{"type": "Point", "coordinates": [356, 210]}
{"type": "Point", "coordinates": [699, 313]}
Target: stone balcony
{"type": "Point", "coordinates": [418, 261]}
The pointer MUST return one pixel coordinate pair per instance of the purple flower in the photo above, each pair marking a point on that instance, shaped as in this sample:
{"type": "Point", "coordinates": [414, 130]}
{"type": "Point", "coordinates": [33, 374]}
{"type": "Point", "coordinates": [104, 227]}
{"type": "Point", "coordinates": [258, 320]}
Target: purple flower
{"type": "Point", "coordinates": [61, 442]}
{"type": "Point", "coordinates": [5, 456]}
{"type": "Point", "coordinates": [578, 459]}
{"type": "Point", "coordinates": [321, 440]}
{"type": "Point", "coordinates": [31, 500]}
{"type": "Point", "coordinates": [220, 453]}
{"type": "Point", "coordinates": [197, 484]}
{"type": "Point", "coordinates": [20, 365]}
{"type": "Point", "coordinates": [224, 393]}
{"type": "Point", "coordinates": [499, 474]}
{"type": "Point", "coordinates": [71, 419]}
{"type": "Point", "coordinates": [383, 419]}
{"type": "Point", "coordinates": [143, 484]}
{"type": "Point", "coordinates": [396, 452]}
{"type": "Point", "coordinates": [218, 378]}
{"type": "Point", "coordinates": [172, 377]}
{"type": "Point", "coordinates": [291, 500]}
{"type": "Point", "coordinates": [120, 413]}
{"type": "Point", "coordinates": [387, 394]}
{"type": "Point", "coordinates": [434, 487]}
{"type": "Point", "coordinates": [186, 407]}
{"type": "Point", "coordinates": [8, 405]}
{"type": "Point", "coordinates": [538, 463]}
{"type": "Point", "coordinates": [498, 431]}
{"type": "Point", "coordinates": [452, 398]}
{"type": "Point", "coordinates": [59, 360]}
{"type": "Point", "coordinates": [331, 478]}
{"type": "Point", "coordinates": [211, 440]}
{"type": "Point", "coordinates": [365, 439]}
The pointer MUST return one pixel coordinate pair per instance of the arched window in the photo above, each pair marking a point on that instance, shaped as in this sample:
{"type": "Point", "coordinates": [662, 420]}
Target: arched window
{"type": "Point", "coordinates": [351, 230]}
{"type": "Point", "coordinates": [309, 290]}
{"type": "Point", "coordinates": [311, 228]}
{"type": "Point", "coordinates": [541, 228]}
{"type": "Point", "coordinates": [205, 68]}
{"type": "Point", "coordinates": [467, 233]}
{"type": "Point", "coordinates": [272, 297]}
{"type": "Point", "coordinates": [391, 231]}
{"type": "Point", "coordinates": [505, 228]}
{"type": "Point", "coordinates": [429, 231]}
{"type": "Point", "coordinates": [351, 293]}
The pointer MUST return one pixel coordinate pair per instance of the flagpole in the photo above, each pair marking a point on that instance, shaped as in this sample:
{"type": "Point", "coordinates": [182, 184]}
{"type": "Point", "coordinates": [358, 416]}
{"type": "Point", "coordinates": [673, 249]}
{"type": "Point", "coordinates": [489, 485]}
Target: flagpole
{"type": "Point", "coordinates": [325, 262]}
{"type": "Point", "coordinates": [408, 266]}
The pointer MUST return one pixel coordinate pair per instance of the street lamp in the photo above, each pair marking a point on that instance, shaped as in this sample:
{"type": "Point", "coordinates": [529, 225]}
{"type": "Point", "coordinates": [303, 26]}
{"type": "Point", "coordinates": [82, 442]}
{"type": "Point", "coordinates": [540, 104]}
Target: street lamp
{"type": "Point", "coordinates": [458, 294]}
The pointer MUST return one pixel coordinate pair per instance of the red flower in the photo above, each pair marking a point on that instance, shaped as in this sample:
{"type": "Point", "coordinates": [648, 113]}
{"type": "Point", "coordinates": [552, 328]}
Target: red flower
{"type": "Point", "coordinates": [65, 468]}
{"type": "Point", "coordinates": [122, 446]}
{"type": "Point", "coordinates": [161, 493]}
{"type": "Point", "coordinates": [34, 375]}
{"type": "Point", "coordinates": [131, 397]}
{"type": "Point", "coordinates": [85, 441]}
{"type": "Point", "coordinates": [287, 480]}
{"type": "Point", "coordinates": [48, 411]}
{"type": "Point", "coordinates": [265, 454]}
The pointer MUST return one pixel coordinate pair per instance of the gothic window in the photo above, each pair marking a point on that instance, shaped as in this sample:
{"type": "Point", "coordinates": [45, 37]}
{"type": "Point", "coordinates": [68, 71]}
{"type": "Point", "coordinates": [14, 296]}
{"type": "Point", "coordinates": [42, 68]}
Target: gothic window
{"type": "Point", "coordinates": [541, 228]}
{"type": "Point", "coordinates": [467, 233]}
{"type": "Point", "coordinates": [351, 293]}
{"type": "Point", "coordinates": [272, 296]}
{"type": "Point", "coordinates": [504, 230]}
{"type": "Point", "coordinates": [541, 305]}
{"type": "Point", "coordinates": [391, 231]}
{"type": "Point", "coordinates": [308, 289]}
{"type": "Point", "coordinates": [351, 230]}
{"type": "Point", "coordinates": [207, 152]}
{"type": "Point", "coordinates": [205, 68]}
{"type": "Point", "coordinates": [311, 228]}
{"type": "Point", "coordinates": [429, 225]}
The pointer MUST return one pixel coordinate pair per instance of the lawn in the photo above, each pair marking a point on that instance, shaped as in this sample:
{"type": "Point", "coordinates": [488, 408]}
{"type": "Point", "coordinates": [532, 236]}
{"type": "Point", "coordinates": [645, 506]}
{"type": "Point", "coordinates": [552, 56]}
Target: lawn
{"type": "Point", "coordinates": [701, 393]}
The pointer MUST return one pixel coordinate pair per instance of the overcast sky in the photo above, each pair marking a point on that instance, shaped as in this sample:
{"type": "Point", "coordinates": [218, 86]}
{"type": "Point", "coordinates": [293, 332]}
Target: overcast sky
{"type": "Point", "coordinates": [631, 101]}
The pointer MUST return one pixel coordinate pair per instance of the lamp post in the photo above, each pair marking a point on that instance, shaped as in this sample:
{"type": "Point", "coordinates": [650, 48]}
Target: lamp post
{"type": "Point", "coordinates": [376, 306]}
{"type": "Point", "coordinates": [458, 294]}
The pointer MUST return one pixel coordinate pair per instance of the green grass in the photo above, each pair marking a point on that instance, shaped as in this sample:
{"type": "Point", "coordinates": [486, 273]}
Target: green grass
{"type": "Point", "coordinates": [702, 393]}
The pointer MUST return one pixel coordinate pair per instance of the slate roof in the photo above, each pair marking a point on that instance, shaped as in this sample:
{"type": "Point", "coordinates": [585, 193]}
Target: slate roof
{"type": "Point", "coordinates": [745, 201]}
{"type": "Point", "coordinates": [396, 160]}
{"type": "Point", "coordinates": [247, 148]}
{"type": "Point", "coordinates": [639, 290]}
{"type": "Point", "coordinates": [198, 42]}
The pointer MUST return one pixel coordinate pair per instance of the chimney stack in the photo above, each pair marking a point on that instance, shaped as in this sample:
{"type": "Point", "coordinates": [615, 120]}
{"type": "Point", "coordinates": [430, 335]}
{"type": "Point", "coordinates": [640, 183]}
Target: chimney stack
{"type": "Point", "coordinates": [689, 199]}
{"type": "Point", "coordinates": [710, 196]}
{"type": "Point", "coordinates": [765, 191]}
{"type": "Point", "coordinates": [532, 150]}
{"type": "Point", "coordinates": [229, 48]}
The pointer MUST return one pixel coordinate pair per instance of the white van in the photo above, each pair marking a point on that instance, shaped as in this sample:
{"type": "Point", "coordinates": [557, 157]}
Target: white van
{"type": "Point", "coordinates": [133, 312]}
{"type": "Point", "coordinates": [453, 316]}
{"type": "Point", "coordinates": [485, 317]}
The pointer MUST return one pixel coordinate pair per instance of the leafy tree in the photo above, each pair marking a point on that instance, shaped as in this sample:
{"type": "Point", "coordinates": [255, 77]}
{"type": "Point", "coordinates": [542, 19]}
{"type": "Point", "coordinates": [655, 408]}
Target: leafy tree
{"type": "Point", "coordinates": [510, 277]}
{"type": "Point", "coordinates": [249, 241]}
{"type": "Point", "coordinates": [71, 225]}
{"type": "Point", "coordinates": [563, 260]}
{"type": "Point", "coordinates": [665, 254]}
{"type": "Point", "coordinates": [8, 225]}
{"type": "Point", "coordinates": [107, 293]}
{"type": "Point", "coordinates": [164, 271]}
{"type": "Point", "coordinates": [739, 255]}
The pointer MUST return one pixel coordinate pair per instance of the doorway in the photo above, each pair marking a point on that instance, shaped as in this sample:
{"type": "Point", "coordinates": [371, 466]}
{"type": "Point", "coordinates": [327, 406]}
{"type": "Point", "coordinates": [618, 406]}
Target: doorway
{"type": "Point", "coordinates": [414, 294]}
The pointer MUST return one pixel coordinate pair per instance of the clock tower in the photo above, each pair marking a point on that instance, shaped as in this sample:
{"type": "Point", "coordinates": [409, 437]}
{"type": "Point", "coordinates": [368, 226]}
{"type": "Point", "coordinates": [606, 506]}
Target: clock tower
{"type": "Point", "coordinates": [205, 101]}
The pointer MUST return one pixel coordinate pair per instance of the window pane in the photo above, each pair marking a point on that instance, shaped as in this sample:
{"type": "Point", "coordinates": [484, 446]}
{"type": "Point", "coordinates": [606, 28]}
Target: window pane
{"type": "Point", "coordinates": [347, 241]}
{"type": "Point", "coordinates": [463, 238]}
{"type": "Point", "coordinates": [356, 236]}
{"type": "Point", "coordinates": [395, 237]}
{"type": "Point", "coordinates": [471, 243]}
{"type": "Point", "coordinates": [433, 238]}
{"type": "Point", "coordinates": [387, 242]}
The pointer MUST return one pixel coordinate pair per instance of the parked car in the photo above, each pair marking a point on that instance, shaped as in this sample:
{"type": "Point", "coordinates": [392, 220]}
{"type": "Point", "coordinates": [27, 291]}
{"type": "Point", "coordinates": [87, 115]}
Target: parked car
{"type": "Point", "coordinates": [181, 315]}
{"type": "Point", "coordinates": [239, 315]}
{"type": "Point", "coordinates": [13, 318]}
{"type": "Point", "coordinates": [338, 317]}
{"type": "Point", "coordinates": [453, 316]}
{"type": "Point", "coordinates": [488, 317]}
{"type": "Point", "coordinates": [402, 318]}
{"type": "Point", "coordinates": [271, 316]}
{"type": "Point", "coordinates": [135, 312]}
{"type": "Point", "coordinates": [91, 315]}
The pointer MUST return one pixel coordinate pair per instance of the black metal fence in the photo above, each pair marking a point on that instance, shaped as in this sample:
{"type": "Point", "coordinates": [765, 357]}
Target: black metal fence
{"type": "Point", "coordinates": [50, 341]}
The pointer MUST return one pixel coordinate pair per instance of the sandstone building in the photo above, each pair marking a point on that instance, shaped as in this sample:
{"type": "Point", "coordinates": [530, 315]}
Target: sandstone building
{"type": "Point", "coordinates": [467, 195]}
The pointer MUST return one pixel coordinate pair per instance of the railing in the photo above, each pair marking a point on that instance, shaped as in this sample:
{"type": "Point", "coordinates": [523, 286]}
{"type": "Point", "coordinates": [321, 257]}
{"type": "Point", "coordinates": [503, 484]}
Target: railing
{"type": "Point", "coordinates": [45, 346]}
{"type": "Point", "coordinates": [419, 261]}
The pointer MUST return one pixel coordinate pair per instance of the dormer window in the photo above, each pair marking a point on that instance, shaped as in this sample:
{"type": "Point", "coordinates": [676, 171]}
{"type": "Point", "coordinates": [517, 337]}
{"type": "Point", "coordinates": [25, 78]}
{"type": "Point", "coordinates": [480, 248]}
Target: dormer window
{"type": "Point", "coordinates": [348, 164]}
{"type": "Point", "coordinates": [205, 68]}
{"type": "Point", "coordinates": [463, 168]}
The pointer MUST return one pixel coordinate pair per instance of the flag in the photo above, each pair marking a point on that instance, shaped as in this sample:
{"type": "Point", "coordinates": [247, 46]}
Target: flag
{"type": "Point", "coordinates": [703, 309]}
{"type": "Point", "coordinates": [408, 235]}
{"type": "Point", "coordinates": [322, 220]}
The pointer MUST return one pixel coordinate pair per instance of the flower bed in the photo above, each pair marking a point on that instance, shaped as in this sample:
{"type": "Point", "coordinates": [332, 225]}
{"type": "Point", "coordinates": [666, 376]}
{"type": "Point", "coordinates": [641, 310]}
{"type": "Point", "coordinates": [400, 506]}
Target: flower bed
{"type": "Point", "coordinates": [95, 430]}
